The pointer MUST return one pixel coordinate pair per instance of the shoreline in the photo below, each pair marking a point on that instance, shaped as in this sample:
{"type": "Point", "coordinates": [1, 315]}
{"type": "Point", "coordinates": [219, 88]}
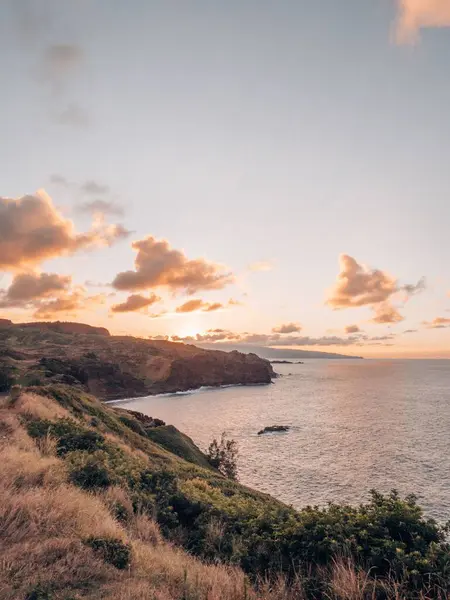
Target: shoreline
{"type": "Point", "coordinates": [203, 388]}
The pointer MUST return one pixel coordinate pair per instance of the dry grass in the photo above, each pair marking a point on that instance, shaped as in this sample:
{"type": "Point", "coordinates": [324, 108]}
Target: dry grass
{"type": "Point", "coordinates": [44, 522]}
{"type": "Point", "coordinates": [39, 407]}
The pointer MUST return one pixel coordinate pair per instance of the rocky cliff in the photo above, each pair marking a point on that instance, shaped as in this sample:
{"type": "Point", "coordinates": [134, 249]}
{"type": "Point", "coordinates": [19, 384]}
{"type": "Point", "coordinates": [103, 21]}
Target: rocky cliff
{"type": "Point", "coordinates": [114, 367]}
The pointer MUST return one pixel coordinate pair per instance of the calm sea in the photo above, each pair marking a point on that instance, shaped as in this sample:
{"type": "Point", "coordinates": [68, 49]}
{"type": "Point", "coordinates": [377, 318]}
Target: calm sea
{"type": "Point", "coordinates": [355, 425]}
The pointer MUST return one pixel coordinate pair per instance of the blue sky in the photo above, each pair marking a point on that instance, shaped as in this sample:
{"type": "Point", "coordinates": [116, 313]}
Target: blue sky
{"type": "Point", "coordinates": [288, 132]}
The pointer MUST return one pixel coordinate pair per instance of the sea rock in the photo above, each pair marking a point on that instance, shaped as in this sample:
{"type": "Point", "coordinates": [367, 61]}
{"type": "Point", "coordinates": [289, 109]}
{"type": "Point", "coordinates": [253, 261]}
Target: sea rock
{"type": "Point", "coordinates": [274, 429]}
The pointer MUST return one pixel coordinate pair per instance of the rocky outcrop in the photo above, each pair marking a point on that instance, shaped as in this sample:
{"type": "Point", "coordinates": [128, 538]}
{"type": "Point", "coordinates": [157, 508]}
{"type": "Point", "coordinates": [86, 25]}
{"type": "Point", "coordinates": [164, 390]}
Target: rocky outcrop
{"type": "Point", "coordinates": [113, 367]}
{"type": "Point", "coordinates": [274, 429]}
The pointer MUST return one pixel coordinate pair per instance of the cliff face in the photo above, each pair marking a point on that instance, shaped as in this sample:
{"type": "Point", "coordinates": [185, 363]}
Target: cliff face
{"type": "Point", "coordinates": [113, 367]}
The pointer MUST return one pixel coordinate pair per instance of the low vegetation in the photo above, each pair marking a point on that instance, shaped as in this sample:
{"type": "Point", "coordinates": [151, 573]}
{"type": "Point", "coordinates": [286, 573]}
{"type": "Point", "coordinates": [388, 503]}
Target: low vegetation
{"type": "Point", "coordinates": [97, 502]}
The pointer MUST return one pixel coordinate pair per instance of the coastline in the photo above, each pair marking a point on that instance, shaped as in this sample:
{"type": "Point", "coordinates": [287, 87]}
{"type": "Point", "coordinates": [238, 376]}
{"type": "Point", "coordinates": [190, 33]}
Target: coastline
{"type": "Point", "coordinates": [188, 392]}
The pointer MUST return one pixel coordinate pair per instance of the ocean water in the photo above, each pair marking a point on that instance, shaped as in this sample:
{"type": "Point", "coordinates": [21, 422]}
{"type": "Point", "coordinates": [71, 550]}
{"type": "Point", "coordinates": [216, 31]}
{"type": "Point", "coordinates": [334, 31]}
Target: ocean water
{"type": "Point", "coordinates": [355, 425]}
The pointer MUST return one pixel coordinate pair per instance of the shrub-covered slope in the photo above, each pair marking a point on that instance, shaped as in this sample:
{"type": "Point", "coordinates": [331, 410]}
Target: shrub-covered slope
{"type": "Point", "coordinates": [98, 502]}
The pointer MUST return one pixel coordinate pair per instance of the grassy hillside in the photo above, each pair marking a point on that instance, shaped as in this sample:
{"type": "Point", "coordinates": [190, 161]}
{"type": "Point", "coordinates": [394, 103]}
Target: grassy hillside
{"type": "Point", "coordinates": [98, 502]}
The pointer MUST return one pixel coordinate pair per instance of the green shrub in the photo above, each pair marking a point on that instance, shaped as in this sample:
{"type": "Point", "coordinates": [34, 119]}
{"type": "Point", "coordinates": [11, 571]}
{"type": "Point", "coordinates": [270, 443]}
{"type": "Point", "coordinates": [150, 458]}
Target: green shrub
{"type": "Point", "coordinates": [89, 473]}
{"type": "Point", "coordinates": [223, 456]}
{"type": "Point", "coordinates": [38, 428]}
{"type": "Point", "coordinates": [114, 552]}
{"type": "Point", "coordinates": [39, 592]}
{"type": "Point", "coordinates": [88, 441]}
{"type": "Point", "coordinates": [7, 380]}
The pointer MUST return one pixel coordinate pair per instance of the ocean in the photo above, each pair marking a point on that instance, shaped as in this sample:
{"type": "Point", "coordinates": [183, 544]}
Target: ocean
{"type": "Point", "coordinates": [354, 425]}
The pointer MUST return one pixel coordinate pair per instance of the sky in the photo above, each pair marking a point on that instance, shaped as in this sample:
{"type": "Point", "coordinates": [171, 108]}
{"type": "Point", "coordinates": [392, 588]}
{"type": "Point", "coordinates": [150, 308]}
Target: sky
{"type": "Point", "coordinates": [233, 171]}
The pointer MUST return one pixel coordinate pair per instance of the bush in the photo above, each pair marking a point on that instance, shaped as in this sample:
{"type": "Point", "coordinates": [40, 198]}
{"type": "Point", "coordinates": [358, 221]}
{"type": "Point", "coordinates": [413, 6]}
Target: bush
{"type": "Point", "coordinates": [88, 441]}
{"type": "Point", "coordinates": [6, 380]}
{"type": "Point", "coordinates": [113, 552]}
{"type": "Point", "coordinates": [223, 456]}
{"type": "Point", "coordinates": [89, 473]}
{"type": "Point", "coordinates": [38, 428]}
{"type": "Point", "coordinates": [39, 592]}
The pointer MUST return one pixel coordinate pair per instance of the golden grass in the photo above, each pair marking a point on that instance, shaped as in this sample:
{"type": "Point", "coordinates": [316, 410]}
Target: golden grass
{"type": "Point", "coordinates": [44, 522]}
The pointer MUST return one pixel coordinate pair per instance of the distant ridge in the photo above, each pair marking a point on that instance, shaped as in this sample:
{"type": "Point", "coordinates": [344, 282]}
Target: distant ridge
{"type": "Point", "coordinates": [271, 353]}
{"type": "Point", "coordinates": [64, 327]}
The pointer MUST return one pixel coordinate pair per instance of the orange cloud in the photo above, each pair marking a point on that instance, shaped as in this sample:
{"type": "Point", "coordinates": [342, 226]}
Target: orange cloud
{"type": "Point", "coordinates": [158, 265]}
{"type": "Point", "coordinates": [29, 287]}
{"type": "Point", "coordinates": [358, 285]}
{"type": "Point", "coordinates": [69, 304]}
{"type": "Point", "coordinates": [135, 302]}
{"type": "Point", "coordinates": [352, 329]}
{"type": "Point", "coordinates": [416, 14]}
{"type": "Point", "coordinates": [48, 295]}
{"type": "Point", "coordinates": [288, 328]}
{"type": "Point", "coordinates": [198, 304]}
{"type": "Point", "coordinates": [263, 265]}
{"type": "Point", "coordinates": [386, 313]}
{"type": "Point", "coordinates": [32, 230]}
{"type": "Point", "coordinates": [438, 323]}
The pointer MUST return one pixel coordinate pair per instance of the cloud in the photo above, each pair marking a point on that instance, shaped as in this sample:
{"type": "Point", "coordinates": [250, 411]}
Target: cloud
{"type": "Point", "coordinates": [261, 339]}
{"type": "Point", "coordinates": [102, 207]}
{"type": "Point", "coordinates": [386, 313]}
{"type": "Point", "coordinates": [352, 329]}
{"type": "Point", "coordinates": [60, 61]}
{"type": "Point", "coordinates": [89, 187]}
{"type": "Point", "coordinates": [74, 115]}
{"type": "Point", "coordinates": [198, 304]}
{"type": "Point", "coordinates": [358, 285]}
{"type": "Point", "coordinates": [59, 180]}
{"type": "Point", "coordinates": [211, 335]}
{"type": "Point", "coordinates": [32, 230]}
{"type": "Point", "coordinates": [26, 288]}
{"type": "Point", "coordinates": [416, 14]}
{"type": "Point", "coordinates": [410, 331]}
{"type": "Point", "coordinates": [47, 294]}
{"type": "Point", "coordinates": [158, 265]}
{"type": "Point", "coordinates": [135, 302]}
{"type": "Point", "coordinates": [288, 328]}
{"type": "Point", "coordinates": [412, 289]}
{"type": "Point", "coordinates": [92, 187]}
{"type": "Point", "coordinates": [233, 302]}
{"type": "Point", "coordinates": [263, 265]}
{"type": "Point", "coordinates": [70, 304]}
{"type": "Point", "coordinates": [437, 323]}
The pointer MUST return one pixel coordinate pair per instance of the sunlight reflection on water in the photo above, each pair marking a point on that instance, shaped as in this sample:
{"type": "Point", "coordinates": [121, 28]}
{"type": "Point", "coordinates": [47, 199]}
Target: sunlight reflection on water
{"type": "Point", "coordinates": [355, 425]}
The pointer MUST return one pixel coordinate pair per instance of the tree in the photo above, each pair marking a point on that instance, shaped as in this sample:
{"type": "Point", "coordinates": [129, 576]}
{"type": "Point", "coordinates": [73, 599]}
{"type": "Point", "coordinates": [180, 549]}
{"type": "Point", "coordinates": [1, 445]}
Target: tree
{"type": "Point", "coordinates": [223, 456]}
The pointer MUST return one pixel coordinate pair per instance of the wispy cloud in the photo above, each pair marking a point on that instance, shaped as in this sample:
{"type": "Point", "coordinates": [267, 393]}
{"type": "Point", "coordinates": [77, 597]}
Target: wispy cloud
{"type": "Point", "coordinates": [102, 207]}
{"type": "Point", "coordinates": [437, 323]}
{"type": "Point", "coordinates": [263, 265]}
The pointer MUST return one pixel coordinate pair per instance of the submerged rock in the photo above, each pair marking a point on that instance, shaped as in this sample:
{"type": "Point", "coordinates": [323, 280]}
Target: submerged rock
{"type": "Point", "coordinates": [274, 429]}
